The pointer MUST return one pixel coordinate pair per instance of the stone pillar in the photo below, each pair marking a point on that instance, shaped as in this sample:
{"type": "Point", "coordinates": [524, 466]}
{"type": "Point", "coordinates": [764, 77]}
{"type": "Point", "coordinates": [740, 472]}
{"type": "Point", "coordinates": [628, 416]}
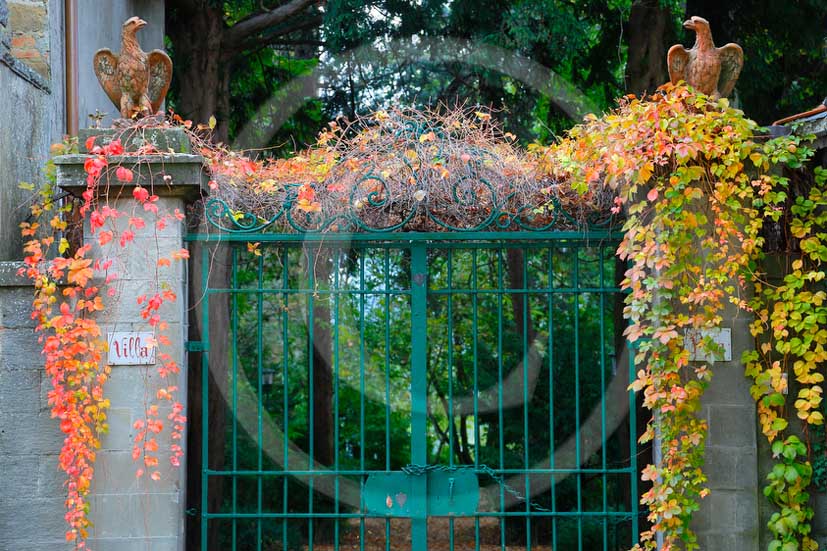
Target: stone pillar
{"type": "Point", "coordinates": [729, 517]}
{"type": "Point", "coordinates": [130, 513]}
{"type": "Point", "coordinates": [31, 509]}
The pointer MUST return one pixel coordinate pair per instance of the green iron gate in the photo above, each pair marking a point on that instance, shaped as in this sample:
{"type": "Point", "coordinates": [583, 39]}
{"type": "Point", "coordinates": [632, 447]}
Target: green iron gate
{"type": "Point", "coordinates": [462, 390]}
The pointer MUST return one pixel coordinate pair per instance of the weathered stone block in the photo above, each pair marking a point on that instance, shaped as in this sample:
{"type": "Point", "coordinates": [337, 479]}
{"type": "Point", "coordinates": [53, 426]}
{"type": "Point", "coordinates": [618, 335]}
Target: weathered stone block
{"type": "Point", "coordinates": [116, 471]}
{"type": "Point", "coordinates": [120, 433]}
{"type": "Point", "coordinates": [732, 426]}
{"type": "Point", "coordinates": [21, 391]}
{"type": "Point", "coordinates": [16, 307]}
{"type": "Point", "coordinates": [28, 17]}
{"type": "Point", "coordinates": [40, 433]}
{"type": "Point", "coordinates": [115, 516]}
{"type": "Point", "coordinates": [123, 313]}
{"type": "Point", "coordinates": [746, 512]}
{"type": "Point", "coordinates": [135, 544]}
{"type": "Point", "coordinates": [746, 474]}
{"type": "Point", "coordinates": [23, 519]}
{"type": "Point", "coordinates": [19, 349]}
{"type": "Point", "coordinates": [164, 140]}
{"type": "Point", "coordinates": [723, 505]}
{"type": "Point", "coordinates": [721, 465]}
{"type": "Point", "coordinates": [50, 479]}
{"type": "Point", "coordinates": [9, 275]}
{"type": "Point", "coordinates": [139, 261]}
{"type": "Point", "coordinates": [18, 473]}
{"type": "Point", "coordinates": [129, 384]}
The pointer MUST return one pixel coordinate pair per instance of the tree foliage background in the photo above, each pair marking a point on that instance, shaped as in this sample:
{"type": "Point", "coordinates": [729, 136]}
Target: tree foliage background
{"type": "Point", "coordinates": [275, 71]}
{"type": "Point", "coordinates": [235, 56]}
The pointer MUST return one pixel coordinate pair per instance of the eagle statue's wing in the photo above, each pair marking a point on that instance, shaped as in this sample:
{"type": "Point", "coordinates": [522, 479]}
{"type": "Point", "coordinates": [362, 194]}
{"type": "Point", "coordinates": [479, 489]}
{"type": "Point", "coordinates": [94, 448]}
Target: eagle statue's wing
{"type": "Point", "coordinates": [732, 61]}
{"type": "Point", "coordinates": [160, 76]}
{"type": "Point", "coordinates": [677, 60]}
{"type": "Point", "coordinates": [105, 64]}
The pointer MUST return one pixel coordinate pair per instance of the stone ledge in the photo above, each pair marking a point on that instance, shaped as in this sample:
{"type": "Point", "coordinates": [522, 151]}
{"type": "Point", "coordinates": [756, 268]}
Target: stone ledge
{"type": "Point", "coordinates": [186, 173]}
{"type": "Point", "coordinates": [9, 277]}
{"type": "Point", "coordinates": [812, 126]}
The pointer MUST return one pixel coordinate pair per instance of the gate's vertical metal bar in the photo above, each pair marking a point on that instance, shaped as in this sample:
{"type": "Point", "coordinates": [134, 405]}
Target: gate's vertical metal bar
{"type": "Point", "coordinates": [526, 458]}
{"type": "Point", "coordinates": [311, 421]}
{"type": "Point", "coordinates": [285, 283]}
{"type": "Point", "coordinates": [553, 475]}
{"type": "Point", "coordinates": [234, 352]}
{"type": "Point", "coordinates": [386, 281]}
{"type": "Point", "coordinates": [474, 322]}
{"type": "Point", "coordinates": [260, 382]}
{"type": "Point", "coordinates": [419, 391]}
{"type": "Point", "coordinates": [205, 392]}
{"type": "Point", "coordinates": [500, 420]}
{"type": "Point", "coordinates": [600, 251]}
{"type": "Point", "coordinates": [337, 258]}
{"type": "Point", "coordinates": [451, 380]}
{"type": "Point", "coordinates": [578, 465]}
{"type": "Point", "coordinates": [362, 253]}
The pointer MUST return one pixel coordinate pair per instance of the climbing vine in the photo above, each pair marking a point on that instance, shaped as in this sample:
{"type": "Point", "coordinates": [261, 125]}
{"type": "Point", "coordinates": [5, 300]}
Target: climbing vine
{"type": "Point", "coordinates": [697, 184]}
{"type": "Point", "coordinates": [791, 339]}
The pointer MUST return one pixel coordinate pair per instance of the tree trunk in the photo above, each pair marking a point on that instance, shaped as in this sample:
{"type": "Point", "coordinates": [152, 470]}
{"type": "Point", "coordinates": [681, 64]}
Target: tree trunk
{"type": "Point", "coordinates": [322, 404]}
{"type": "Point", "coordinates": [648, 29]}
{"type": "Point", "coordinates": [202, 69]}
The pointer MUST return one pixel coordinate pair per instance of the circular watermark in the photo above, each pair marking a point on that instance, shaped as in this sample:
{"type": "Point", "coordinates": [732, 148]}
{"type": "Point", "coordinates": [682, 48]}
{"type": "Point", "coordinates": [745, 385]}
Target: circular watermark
{"type": "Point", "coordinates": [518, 382]}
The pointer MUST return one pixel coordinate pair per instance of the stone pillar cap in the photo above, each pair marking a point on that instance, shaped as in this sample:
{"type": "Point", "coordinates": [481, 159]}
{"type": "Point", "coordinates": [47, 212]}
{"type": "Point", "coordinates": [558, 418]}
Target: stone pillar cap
{"type": "Point", "coordinates": [166, 175]}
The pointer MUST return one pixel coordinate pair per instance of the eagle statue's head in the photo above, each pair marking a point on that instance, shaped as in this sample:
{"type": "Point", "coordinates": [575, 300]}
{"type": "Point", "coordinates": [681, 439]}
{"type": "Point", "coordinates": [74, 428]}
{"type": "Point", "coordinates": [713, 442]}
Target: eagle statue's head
{"type": "Point", "coordinates": [696, 23]}
{"type": "Point", "coordinates": [133, 25]}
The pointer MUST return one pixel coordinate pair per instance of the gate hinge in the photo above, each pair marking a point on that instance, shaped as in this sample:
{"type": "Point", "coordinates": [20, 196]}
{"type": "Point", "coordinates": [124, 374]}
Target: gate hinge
{"type": "Point", "coordinates": [197, 346]}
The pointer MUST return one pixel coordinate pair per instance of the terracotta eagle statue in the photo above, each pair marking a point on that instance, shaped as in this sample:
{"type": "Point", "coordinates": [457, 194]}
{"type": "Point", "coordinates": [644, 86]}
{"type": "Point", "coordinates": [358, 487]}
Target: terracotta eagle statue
{"type": "Point", "coordinates": [135, 81]}
{"type": "Point", "coordinates": [710, 70]}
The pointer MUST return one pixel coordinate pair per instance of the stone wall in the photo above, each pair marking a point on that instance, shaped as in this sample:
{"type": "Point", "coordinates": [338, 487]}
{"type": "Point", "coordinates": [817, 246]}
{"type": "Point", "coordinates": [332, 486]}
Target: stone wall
{"type": "Point", "coordinates": [32, 87]}
{"type": "Point", "coordinates": [31, 511]}
{"type": "Point", "coordinates": [128, 513]}
{"type": "Point", "coordinates": [30, 37]}
{"type": "Point", "coordinates": [31, 119]}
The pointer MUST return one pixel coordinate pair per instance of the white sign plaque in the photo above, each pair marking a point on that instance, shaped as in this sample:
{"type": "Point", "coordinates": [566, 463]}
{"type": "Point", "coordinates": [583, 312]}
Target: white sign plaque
{"type": "Point", "coordinates": [722, 337]}
{"type": "Point", "coordinates": [131, 348]}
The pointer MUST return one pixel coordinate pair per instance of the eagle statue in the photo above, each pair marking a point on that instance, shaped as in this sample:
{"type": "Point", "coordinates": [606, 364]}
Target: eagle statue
{"type": "Point", "coordinates": [135, 81]}
{"type": "Point", "coordinates": [710, 70]}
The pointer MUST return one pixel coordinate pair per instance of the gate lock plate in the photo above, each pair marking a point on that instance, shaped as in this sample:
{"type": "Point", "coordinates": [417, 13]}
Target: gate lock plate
{"type": "Point", "coordinates": [449, 493]}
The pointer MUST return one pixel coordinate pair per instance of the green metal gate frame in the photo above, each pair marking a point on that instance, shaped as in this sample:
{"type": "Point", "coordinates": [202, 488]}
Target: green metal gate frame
{"type": "Point", "coordinates": [418, 243]}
